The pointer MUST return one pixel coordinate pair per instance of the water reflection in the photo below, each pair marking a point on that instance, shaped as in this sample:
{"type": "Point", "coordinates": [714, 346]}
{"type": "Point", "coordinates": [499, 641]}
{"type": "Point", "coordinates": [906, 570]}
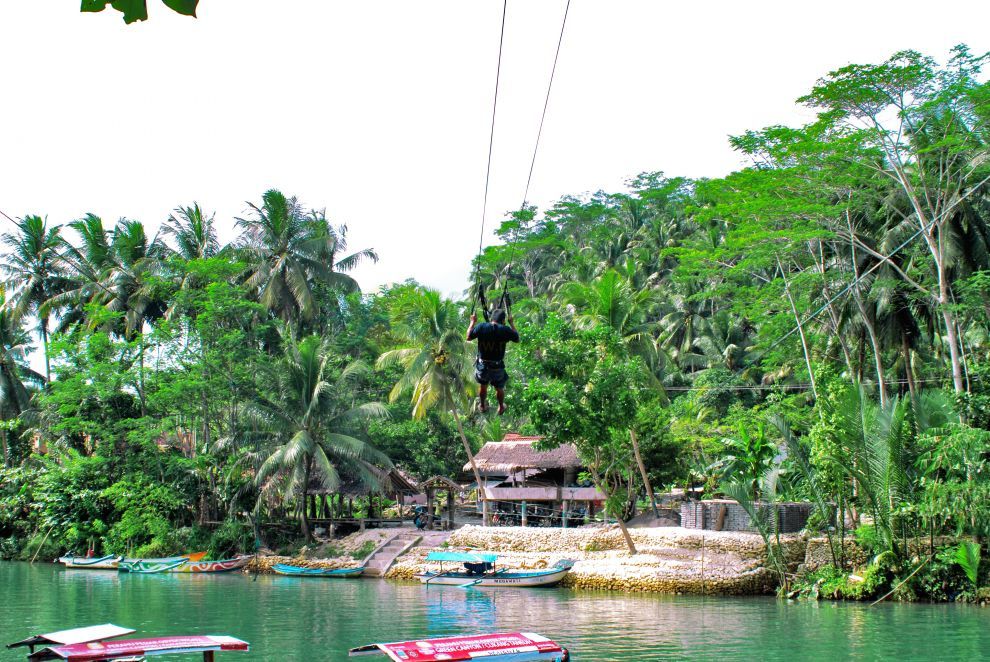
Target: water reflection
{"type": "Point", "coordinates": [289, 618]}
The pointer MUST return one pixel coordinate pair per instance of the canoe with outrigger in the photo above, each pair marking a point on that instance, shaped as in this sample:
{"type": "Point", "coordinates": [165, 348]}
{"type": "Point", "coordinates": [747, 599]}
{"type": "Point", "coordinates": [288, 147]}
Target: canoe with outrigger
{"type": "Point", "coordinates": [479, 570]}
{"type": "Point", "coordinates": [499, 647]}
{"type": "Point", "coordinates": [296, 571]}
{"type": "Point", "coordinates": [100, 643]}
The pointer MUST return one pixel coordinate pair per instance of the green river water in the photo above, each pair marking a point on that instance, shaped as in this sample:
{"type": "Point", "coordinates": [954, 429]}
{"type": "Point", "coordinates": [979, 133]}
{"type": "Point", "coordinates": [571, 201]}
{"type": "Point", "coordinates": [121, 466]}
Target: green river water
{"type": "Point", "coordinates": [288, 618]}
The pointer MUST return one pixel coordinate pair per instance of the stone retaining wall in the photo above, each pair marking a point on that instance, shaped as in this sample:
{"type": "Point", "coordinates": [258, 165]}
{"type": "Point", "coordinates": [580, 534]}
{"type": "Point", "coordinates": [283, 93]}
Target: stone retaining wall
{"type": "Point", "coordinates": [791, 517]}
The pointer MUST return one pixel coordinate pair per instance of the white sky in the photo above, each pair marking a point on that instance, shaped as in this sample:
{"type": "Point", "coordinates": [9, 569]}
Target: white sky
{"type": "Point", "coordinates": [379, 111]}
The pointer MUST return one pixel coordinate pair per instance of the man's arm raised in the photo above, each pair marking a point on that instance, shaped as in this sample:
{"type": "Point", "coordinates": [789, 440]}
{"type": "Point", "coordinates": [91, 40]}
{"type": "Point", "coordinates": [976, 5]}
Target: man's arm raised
{"type": "Point", "coordinates": [474, 320]}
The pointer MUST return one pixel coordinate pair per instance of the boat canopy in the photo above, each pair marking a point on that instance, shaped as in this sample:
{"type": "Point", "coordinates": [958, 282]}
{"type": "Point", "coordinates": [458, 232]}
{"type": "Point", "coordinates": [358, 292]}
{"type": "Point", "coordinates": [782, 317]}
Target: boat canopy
{"type": "Point", "coordinates": [112, 650]}
{"type": "Point", "coordinates": [463, 557]}
{"type": "Point", "coordinates": [75, 636]}
{"type": "Point", "coordinates": [508, 645]}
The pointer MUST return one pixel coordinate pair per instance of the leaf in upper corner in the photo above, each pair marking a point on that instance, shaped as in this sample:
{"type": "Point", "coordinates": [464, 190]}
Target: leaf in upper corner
{"type": "Point", "coordinates": [133, 10]}
{"type": "Point", "coordinates": [137, 10]}
{"type": "Point", "coordinates": [184, 7]}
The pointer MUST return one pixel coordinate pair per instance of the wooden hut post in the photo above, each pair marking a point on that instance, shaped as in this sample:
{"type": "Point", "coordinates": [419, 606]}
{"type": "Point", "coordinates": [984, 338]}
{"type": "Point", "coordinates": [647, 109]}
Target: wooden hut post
{"type": "Point", "coordinates": [563, 514]}
{"type": "Point", "coordinates": [524, 520]}
{"type": "Point", "coordinates": [450, 509]}
{"type": "Point", "coordinates": [429, 508]}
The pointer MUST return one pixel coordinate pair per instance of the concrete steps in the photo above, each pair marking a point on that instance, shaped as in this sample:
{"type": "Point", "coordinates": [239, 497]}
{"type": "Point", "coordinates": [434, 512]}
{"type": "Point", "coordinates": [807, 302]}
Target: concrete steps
{"type": "Point", "coordinates": [382, 558]}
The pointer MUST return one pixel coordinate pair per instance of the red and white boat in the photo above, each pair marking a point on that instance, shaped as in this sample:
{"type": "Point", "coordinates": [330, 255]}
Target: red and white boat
{"type": "Point", "coordinates": [500, 647]}
{"type": "Point", "coordinates": [98, 643]}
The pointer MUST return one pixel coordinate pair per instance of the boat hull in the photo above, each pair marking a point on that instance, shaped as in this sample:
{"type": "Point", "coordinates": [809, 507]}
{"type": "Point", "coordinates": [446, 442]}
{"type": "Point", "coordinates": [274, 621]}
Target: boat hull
{"type": "Point", "coordinates": [148, 567]}
{"type": "Point", "coordinates": [213, 566]}
{"type": "Point", "coordinates": [195, 556]}
{"type": "Point", "coordinates": [83, 563]}
{"type": "Point", "coordinates": [522, 579]}
{"type": "Point", "coordinates": [294, 571]}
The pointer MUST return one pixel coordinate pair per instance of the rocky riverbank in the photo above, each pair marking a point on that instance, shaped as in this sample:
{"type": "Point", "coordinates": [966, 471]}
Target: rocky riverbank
{"type": "Point", "coordinates": [669, 559]}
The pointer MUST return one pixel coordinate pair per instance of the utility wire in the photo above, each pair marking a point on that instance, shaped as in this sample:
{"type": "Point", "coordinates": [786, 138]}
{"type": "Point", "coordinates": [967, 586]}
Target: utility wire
{"type": "Point", "coordinates": [8, 217]}
{"type": "Point", "coordinates": [876, 266]}
{"type": "Point", "coordinates": [546, 102]}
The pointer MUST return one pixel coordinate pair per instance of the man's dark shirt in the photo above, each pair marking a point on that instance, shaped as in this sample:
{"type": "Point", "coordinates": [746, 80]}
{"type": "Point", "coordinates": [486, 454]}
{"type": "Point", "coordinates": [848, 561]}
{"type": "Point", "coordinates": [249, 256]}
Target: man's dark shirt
{"type": "Point", "coordinates": [492, 339]}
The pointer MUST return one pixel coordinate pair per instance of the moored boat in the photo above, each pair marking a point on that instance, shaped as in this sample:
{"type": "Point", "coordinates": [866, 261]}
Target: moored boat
{"type": "Point", "coordinates": [500, 647]}
{"type": "Point", "coordinates": [479, 570]}
{"type": "Point", "coordinates": [91, 563]}
{"type": "Point", "coordinates": [164, 564]}
{"type": "Point", "coordinates": [214, 566]}
{"type": "Point", "coordinates": [149, 567]}
{"type": "Point", "coordinates": [193, 556]}
{"type": "Point", "coordinates": [295, 571]}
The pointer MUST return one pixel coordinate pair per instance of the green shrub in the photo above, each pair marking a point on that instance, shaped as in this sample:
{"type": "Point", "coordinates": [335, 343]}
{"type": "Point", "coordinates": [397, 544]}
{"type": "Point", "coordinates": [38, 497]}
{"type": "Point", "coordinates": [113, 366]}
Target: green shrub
{"type": "Point", "coordinates": [367, 548]}
{"type": "Point", "coordinates": [231, 538]}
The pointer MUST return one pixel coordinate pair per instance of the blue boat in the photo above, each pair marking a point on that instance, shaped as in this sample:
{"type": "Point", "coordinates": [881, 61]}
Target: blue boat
{"type": "Point", "coordinates": [295, 571]}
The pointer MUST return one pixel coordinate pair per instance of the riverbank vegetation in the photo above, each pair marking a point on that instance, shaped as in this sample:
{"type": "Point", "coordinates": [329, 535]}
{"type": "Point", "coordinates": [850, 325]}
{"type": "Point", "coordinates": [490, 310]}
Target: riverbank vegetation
{"type": "Point", "coordinates": [815, 327]}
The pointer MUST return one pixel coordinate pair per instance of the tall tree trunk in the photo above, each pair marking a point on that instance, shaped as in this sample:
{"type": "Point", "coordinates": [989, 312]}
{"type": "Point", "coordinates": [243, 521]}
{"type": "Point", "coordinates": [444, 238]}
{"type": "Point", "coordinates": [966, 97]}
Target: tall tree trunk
{"type": "Point", "coordinates": [800, 328]}
{"type": "Point", "coordinates": [833, 314]}
{"type": "Point", "coordinates": [144, 411]}
{"type": "Point", "coordinates": [642, 472]}
{"type": "Point", "coordinates": [867, 315]}
{"type": "Point", "coordinates": [618, 516]}
{"type": "Point", "coordinates": [908, 368]}
{"type": "Point", "coordinates": [305, 496]}
{"type": "Point", "coordinates": [44, 347]}
{"type": "Point", "coordinates": [474, 467]}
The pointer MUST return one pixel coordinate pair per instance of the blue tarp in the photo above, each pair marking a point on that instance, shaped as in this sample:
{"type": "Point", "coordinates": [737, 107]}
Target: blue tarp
{"type": "Point", "coordinates": [462, 557]}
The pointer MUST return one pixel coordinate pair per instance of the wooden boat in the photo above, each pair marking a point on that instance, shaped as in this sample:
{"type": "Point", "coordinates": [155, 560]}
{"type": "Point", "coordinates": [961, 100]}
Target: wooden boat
{"type": "Point", "coordinates": [479, 570]}
{"type": "Point", "coordinates": [194, 556]}
{"type": "Point", "coordinates": [138, 649]}
{"type": "Point", "coordinates": [150, 567]}
{"type": "Point", "coordinates": [501, 647]}
{"type": "Point", "coordinates": [93, 563]}
{"type": "Point", "coordinates": [295, 571]}
{"type": "Point", "coordinates": [213, 566]}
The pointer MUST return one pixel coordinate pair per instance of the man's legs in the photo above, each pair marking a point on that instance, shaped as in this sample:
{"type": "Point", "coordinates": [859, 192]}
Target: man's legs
{"type": "Point", "coordinates": [500, 394]}
{"type": "Point", "coordinates": [483, 398]}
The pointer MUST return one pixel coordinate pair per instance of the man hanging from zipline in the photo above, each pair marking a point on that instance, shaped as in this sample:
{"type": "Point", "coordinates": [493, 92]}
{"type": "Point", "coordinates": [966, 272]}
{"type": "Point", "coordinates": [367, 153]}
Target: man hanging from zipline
{"type": "Point", "coordinates": [489, 368]}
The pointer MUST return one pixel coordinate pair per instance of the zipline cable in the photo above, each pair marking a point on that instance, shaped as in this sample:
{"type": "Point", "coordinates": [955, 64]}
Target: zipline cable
{"type": "Point", "coordinates": [546, 103]}
{"type": "Point", "coordinates": [536, 148]}
{"type": "Point", "coordinates": [491, 143]}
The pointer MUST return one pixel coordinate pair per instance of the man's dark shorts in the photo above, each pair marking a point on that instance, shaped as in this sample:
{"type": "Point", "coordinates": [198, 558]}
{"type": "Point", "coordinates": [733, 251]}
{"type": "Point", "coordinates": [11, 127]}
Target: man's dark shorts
{"type": "Point", "coordinates": [491, 372]}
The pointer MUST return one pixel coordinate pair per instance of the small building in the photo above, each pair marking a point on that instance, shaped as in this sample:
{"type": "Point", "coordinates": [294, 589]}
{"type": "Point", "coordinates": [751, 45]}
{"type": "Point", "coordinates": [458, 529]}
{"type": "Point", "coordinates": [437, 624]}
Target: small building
{"type": "Point", "coordinates": [528, 486]}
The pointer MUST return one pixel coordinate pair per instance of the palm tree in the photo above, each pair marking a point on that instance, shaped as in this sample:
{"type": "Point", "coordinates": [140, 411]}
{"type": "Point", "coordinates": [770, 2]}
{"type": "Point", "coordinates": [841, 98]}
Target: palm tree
{"type": "Point", "coordinates": [288, 250]}
{"type": "Point", "coordinates": [194, 233]}
{"type": "Point", "coordinates": [611, 300]}
{"type": "Point", "coordinates": [308, 422]}
{"type": "Point", "coordinates": [436, 362]}
{"type": "Point", "coordinates": [107, 273]}
{"type": "Point", "coordinates": [34, 273]}
{"type": "Point", "coordinates": [15, 397]}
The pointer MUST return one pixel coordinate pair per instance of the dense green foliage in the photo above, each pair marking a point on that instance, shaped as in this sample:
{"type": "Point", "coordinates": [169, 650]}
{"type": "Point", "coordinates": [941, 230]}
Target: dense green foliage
{"type": "Point", "coordinates": [815, 326]}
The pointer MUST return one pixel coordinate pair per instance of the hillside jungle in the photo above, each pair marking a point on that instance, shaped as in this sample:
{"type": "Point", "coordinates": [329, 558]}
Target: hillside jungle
{"type": "Point", "coordinates": [811, 327]}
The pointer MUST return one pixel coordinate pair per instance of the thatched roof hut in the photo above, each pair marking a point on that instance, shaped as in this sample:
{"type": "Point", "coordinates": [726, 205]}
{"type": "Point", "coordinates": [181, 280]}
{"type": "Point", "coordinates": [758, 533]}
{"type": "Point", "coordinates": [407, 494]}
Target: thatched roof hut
{"type": "Point", "coordinates": [516, 453]}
